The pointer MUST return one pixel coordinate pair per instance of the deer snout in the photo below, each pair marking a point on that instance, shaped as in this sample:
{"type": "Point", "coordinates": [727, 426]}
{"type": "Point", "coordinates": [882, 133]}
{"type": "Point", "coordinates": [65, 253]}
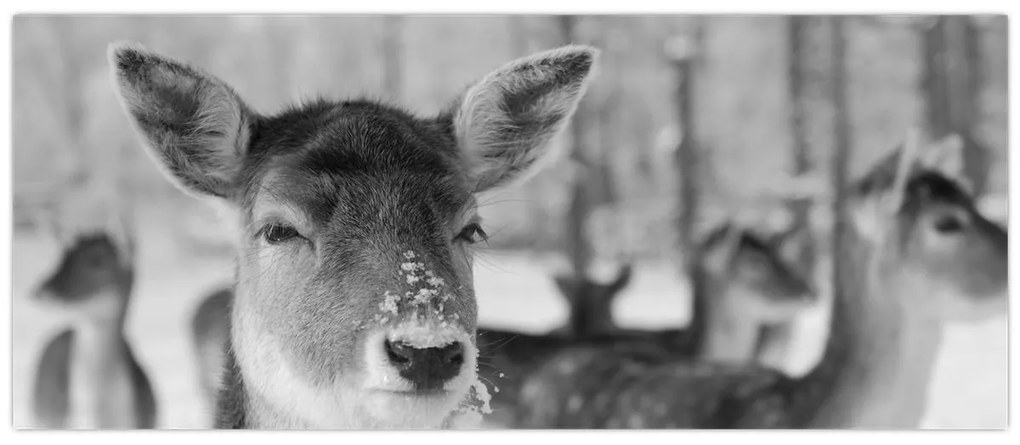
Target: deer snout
{"type": "Point", "coordinates": [427, 368]}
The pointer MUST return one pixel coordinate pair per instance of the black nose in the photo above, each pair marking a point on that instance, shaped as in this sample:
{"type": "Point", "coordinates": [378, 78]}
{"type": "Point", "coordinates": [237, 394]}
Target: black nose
{"type": "Point", "coordinates": [426, 368]}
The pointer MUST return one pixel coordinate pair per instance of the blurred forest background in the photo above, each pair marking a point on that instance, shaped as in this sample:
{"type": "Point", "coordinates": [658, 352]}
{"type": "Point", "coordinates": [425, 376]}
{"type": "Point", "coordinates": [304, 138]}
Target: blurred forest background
{"type": "Point", "coordinates": [69, 126]}
{"type": "Point", "coordinates": [687, 112]}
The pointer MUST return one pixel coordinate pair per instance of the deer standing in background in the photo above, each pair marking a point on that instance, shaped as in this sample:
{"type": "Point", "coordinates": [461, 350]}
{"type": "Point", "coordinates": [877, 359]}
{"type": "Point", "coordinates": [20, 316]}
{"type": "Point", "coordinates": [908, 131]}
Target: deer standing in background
{"type": "Point", "coordinates": [354, 305]}
{"type": "Point", "coordinates": [917, 255]}
{"type": "Point", "coordinates": [761, 287]}
{"type": "Point", "coordinates": [736, 271]}
{"type": "Point", "coordinates": [88, 376]}
{"type": "Point", "coordinates": [590, 304]}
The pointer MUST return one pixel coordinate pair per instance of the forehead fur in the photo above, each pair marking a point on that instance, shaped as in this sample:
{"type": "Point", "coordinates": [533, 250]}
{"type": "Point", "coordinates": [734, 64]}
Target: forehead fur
{"type": "Point", "coordinates": [323, 154]}
{"type": "Point", "coordinates": [933, 186]}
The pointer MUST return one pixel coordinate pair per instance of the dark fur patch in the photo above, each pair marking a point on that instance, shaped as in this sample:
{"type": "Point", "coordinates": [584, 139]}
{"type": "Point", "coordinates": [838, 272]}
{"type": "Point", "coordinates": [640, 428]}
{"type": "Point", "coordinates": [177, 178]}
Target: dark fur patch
{"type": "Point", "coordinates": [91, 265]}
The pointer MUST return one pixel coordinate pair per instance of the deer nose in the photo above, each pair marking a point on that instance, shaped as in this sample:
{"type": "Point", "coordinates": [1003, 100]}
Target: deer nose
{"type": "Point", "coordinates": [426, 368]}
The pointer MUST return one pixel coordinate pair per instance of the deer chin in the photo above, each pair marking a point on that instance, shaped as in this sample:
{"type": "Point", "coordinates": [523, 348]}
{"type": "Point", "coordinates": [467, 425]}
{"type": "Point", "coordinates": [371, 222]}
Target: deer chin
{"type": "Point", "coordinates": [412, 409]}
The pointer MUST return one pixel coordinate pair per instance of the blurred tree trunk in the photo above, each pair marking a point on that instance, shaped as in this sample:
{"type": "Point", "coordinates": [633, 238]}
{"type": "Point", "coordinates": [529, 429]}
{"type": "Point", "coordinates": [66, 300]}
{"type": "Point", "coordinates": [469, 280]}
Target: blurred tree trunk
{"type": "Point", "coordinates": [579, 249]}
{"type": "Point", "coordinates": [73, 106]}
{"type": "Point", "coordinates": [952, 85]}
{"type": "Point", "coordinates": [603, 183]}
{"type": "Point", "coordinates": [841, 135]}
{"type": "Point", "coordinates": [798, 72]}
{"type": "Point", "coordinates": [590, 186]}
{"type": "Point", "coordinates": [393, 55]}
{"type": "Point", "coordinates": [682, 51]}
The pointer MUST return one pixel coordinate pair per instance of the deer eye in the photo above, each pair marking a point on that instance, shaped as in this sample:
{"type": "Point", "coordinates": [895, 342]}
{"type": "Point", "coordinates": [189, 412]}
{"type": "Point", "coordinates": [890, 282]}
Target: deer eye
{"type": "Point", "coordinates": [278, 233]}
{"type": "Point", "coordinates": [948, 225]}
{"type": "Point", "coordinates": [472, 233]}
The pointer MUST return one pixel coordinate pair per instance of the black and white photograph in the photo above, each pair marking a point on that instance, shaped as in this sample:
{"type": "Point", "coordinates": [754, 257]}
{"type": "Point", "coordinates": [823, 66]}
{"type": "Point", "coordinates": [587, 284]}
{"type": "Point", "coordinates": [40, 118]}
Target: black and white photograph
{"type": "Point", "coordinates": [509, 221]}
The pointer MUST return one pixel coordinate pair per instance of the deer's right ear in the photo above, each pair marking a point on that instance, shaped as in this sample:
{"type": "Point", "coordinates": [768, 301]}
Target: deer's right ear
{"type": "Point", "coordinates": [194, 124]}
{"type": "Point", "coordinates": [505, 122]}
{"type": "Point", "coordinates": [868, 216]}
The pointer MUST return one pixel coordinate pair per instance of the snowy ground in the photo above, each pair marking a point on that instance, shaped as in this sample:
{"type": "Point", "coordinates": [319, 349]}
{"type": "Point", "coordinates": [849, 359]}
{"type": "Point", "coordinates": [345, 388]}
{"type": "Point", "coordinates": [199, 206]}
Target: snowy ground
{"type": "Point", "coordinates": [969, 389]}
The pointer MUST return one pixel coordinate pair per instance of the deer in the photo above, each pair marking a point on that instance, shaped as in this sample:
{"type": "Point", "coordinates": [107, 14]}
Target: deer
{"type": "Point", "coordinates": [735, 270]}
{"type": "Point", "coordinates": [915, 254]}
{"type": "Point", "coordinates": [210, 335]}
{"type": "Point", "coordinates": [590, 303]}
{"type": "Point", "coordinates": [353, 303]}
{"type": "Point", "coordinates": [87, 376]}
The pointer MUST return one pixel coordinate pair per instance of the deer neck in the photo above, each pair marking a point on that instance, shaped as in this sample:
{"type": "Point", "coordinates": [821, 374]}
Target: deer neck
{"type": "Point", "coordinates": [102, 389]}
{"type": "Point", "coordinates": [697, 324]}
{"type": "Point", "coordinates": [730, 336]}
{"type": "Point", "coordinates": [588, 318]}
{"type": "Point", "coordinates": [878, 361]}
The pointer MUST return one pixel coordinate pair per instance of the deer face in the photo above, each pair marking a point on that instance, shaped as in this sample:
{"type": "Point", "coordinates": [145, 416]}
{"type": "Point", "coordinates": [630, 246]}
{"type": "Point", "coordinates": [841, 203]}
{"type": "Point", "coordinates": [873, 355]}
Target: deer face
{"type": "Point", "coordinates": [770, 285]}
{"type": "Point", "coordinates": [369, 223]}
{"type": "Point", "coordinates": [752, 275]}
{"type": "Point", "coordinates": [354, 303]}
{"type": "Point", "coordinates": [950, 261]}
{"type": "Point", "coordinates": [947, 244]}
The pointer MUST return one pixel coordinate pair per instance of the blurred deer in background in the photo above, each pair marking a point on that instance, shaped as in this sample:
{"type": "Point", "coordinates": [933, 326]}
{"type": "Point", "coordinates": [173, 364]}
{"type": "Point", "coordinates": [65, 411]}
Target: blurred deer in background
{"type": "Point", "coordinates": [916, 255]}
{"type": "Point", "coordinates": [753, 286]}
{"type": "Point", "coordinates": [735, 271]}
{"type": "Point", "coordinates": [590, 304]}
{"type": "Point", "coordinates": [88, 376]}
{"type": "Point", "coordinates": [354, 304]}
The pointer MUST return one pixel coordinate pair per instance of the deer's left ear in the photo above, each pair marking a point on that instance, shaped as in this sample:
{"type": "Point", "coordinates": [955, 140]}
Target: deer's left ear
{"type": "Point", "coordinates": [505, 122]}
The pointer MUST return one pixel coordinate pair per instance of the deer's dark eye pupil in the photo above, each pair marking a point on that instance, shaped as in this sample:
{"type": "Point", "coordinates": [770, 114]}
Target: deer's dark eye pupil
{"type": "Point", "coordinates": [277, 233]}
{"type": "Point", "coordinates": [472, 233]}
{"type": "Point", "coordinates": [948, 225]}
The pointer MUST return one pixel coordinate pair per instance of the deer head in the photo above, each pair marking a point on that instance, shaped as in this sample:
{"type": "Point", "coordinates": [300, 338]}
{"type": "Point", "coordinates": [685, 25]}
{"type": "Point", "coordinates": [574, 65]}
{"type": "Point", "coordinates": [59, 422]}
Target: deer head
{"type": "Point", "coordinates": [354, 303]}
{"type": "Point", "coordinates": [919, 218]}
